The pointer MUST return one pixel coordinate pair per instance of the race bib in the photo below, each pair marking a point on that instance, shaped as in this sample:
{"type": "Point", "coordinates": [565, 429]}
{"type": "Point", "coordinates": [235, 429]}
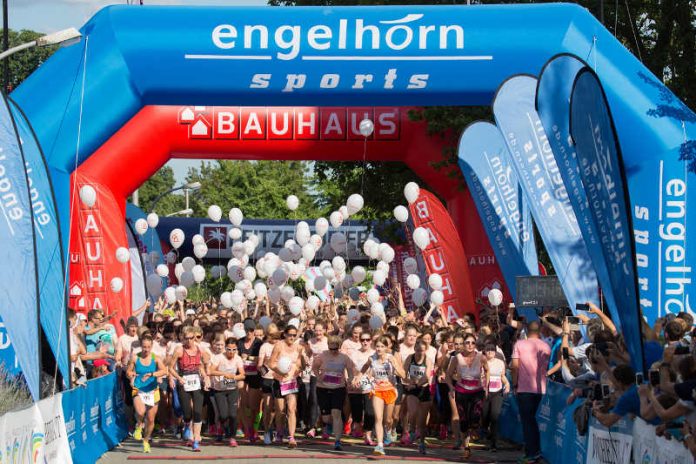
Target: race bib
{"type": "Point", "coordinates": [365, 385]}
{"type": "Point", "coordinates": [495, 384]}
{"type": "Point", "coordinates": [333, 378]}
{"type": "Point", "coordinates": [229, 384]}
{"type": "Point", "coordinates": [148, 398]}
{"type": "Point", "coordinates": [250, 367]}
{"type": "Point", "coordinates": [192, 382]}
{"type": "Point", "coordinates": [288, 387]}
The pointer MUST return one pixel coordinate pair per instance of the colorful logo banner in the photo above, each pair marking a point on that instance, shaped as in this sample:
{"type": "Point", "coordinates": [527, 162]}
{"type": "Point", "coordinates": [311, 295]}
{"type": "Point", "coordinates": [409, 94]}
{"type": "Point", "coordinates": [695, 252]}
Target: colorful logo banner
{"type": "Point", "coordinates": [505, 215]}
{"type": "Point", "coordinates": [533, 161]}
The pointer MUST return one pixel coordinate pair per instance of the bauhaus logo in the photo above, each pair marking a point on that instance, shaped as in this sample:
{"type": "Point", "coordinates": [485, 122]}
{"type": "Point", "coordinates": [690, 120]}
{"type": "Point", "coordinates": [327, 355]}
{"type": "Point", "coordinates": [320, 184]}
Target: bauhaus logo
{"type": "Point", "coordinates": [288, 123]}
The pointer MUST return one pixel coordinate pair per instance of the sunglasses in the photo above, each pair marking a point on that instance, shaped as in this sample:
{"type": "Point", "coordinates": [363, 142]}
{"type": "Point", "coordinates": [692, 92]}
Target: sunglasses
{"type": "Point", "coordinates": [469, 343]}
{"type": "Point", "coordinates": [230, 349]}
{"type": "Point", "coordinates": [365, 339]}
{"type": "Point", "coordinates": [291, 335]}
{"type": "Point", "coordinates": [198, 337]}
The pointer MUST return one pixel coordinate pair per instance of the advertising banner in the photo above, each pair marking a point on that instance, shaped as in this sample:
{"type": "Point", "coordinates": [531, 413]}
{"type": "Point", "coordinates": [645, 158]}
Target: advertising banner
{"type": "Point", "coordinates": [600, 161]}
{"type": "Point", "coordinates": [444, 255]}
{"type": "Point", "coordinates": [552, 421]}
{"type": "Point", "coordinates": [533, 161]}
{"type": "Point", "coordinates": [19, 290]}
{"type": "Point", "coordinates": [606, 446]}
{"type": "Point", "coordinates": [494, 187]}
{"type": "Point", "coordinates": [49, 256]}
{"type": "Point", "coordinates": [137, 272]}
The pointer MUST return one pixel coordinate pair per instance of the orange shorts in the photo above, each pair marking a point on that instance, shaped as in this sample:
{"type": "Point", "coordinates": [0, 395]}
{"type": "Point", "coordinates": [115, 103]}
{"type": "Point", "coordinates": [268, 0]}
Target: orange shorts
{"type": "Point", "coordinates": [388, 396]}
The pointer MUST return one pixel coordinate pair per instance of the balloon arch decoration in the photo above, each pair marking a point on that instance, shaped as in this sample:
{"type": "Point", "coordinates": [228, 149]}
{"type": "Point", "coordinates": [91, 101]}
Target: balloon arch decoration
{"type": "Point", "coordinates": [148, 84]}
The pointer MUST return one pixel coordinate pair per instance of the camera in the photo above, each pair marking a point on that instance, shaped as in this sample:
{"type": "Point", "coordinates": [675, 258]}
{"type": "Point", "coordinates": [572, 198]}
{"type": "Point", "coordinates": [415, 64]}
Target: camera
{"type": "Point", "coordinates": [582, 307]}
{"type": "Point", "coordinates": [654, 377]}
{"type": "Point", "coordinates": [639, 379]}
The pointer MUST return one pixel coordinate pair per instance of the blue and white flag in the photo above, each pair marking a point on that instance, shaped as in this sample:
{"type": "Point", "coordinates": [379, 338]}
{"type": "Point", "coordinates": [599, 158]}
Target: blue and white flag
{"type": "Point", "coordinates": [601, 169]}
{"type": "Point", "coordinates": [506, 217]}
{"type": "Point", "coordinates": [49, 256]}
{"type": "Point", "coordinates": [19, 291]}
{"type": "Point", "coordinates": [534, 163]}
{"type": "Point", "coordinates": [553, 104]}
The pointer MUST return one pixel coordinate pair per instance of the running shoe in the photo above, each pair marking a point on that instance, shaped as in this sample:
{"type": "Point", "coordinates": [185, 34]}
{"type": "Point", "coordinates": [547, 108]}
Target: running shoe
{"type": "Point", "coordinates": [337, 446]}
{"type": "Point", "coordinates": [369, 441]}
{"type": "Point", "coordinates": [405, 439]}
{"type": "Point", "coordinates": [421, 448]}
{"type": "Point", "coordinates": [146, 446]}
{"type": "Point", "coordinates": [387, 438]}
{"type": "Point", "coordinates": [394, 435]}
{"type": "Point", "coordinates": [378, 451]}
{"type": "Point", "coordinates": [292, 444]}
{"type": "Point", "coordinates": [233, 443]}
{"type": "Point", "coordinates": [347, 426]}
{"type": "Point", "coordinates": [279, 438]}
{"type": "Point", "coordinates": [196, 447]}
{"type": "Point", "coordinates": [443, 432]}
{"type": "Point", "coordinates": [138, 433]}
{"type": "Point", "coordinates": [312, 433]}
{"type": "Point", "coordinates": [187, 435]}
{"type": "Point", "coordinates": [253, 438]}
{"type": "Point", "coordinates": [257, 421]}
{"type": "Point", "coordinates": [267, 438]}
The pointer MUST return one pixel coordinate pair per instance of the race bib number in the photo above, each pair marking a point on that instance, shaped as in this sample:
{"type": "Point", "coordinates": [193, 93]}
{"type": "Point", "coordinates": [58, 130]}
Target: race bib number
{"type": "Point", "coordinates": [495, 384]}
{"type": "Point", "coordinates": [148, 398]}
{"type": "Point", "coordinates": [288, 387]}
{"type": "Point", "coordinates": [250, 367]}
{"type": "Point", "coordinates": [192, 382]}
{"type": "Point", "coordinates": [365, 385]}
{"type": "Point", "coordinates": [229, 384]}
{"type": "Point", "coordinates": [333, 378]}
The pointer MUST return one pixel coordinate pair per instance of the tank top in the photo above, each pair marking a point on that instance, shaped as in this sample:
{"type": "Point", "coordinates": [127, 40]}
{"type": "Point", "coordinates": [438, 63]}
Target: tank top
{"type": "Point", "coordinates": [189, 364]}
{"type": "Point", "coordinates": [140, 370]}
{"type": "Point", "coordinates": [496, 371]}
{"type": "Point", "coordinates": [383, 373]}
{"type": "Point", "coordinates": [250, 355]}
{"type": "Point", "coordinates": [293, 359]}
{"type": "Point", "coordinates": [417, 370]}
{"type": "Point", "coordinates": [333, 369]}
{"type": "Point", "coordinates": [469, 376]}
{"type": "Point", "coordinates": [228, 366]}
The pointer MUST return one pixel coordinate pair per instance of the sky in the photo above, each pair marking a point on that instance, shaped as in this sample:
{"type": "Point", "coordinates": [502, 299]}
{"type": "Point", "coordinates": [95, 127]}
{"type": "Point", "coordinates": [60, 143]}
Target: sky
{"type": "Point", "coordinates": [53, 15]}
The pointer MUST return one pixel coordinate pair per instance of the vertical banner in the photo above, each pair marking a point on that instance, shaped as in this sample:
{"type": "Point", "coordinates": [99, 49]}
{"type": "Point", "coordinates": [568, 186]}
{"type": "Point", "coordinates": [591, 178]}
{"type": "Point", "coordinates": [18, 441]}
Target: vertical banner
{"type": "Point", "coordinates": [19, 298]}
{"type": "Point", "coordinates": [137, 271]}
{"type": "Point", "coordinates": [8, 357]}
{"type": "Point", "coordinates": [609, 446]}
{"type": "Point", "coordinates": [600, 161]}
{"type": "Point", "coordinates": [503, 210]}
{"type": "Point", "coordinates": [444, 255]}
{"type": "Point", "coordinates": [534, 163]}
{"type": "Point", "coordinates": [49, 254]}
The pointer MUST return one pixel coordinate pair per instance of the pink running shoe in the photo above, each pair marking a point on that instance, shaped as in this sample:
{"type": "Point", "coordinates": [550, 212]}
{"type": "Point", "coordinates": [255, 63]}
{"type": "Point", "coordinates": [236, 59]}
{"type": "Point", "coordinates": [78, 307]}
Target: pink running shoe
{"type": "Point", "coordinates": [233, 443]}
{"type": "Point", "coordinates": [405, 439]}
{"type": "Point", "coordinates": [369, 441]}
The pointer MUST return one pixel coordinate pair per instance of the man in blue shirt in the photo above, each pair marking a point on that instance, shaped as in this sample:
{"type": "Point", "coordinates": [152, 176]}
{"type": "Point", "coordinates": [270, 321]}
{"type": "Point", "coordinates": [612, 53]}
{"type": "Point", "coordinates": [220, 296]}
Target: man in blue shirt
{"type": "Point", "coordinates": [628, 402]}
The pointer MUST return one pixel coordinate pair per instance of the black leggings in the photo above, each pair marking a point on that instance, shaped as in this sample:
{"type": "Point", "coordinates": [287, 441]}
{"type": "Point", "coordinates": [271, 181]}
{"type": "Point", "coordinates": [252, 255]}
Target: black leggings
{"type": "Point", "coordinates": [469, 409]}
{"type": "Point", "coordinates": [444, 408]}
{"type": "Point", "coordinates": [186, 398]}
{"type": "Point", "coordinates": [227, 402]}
{"type": "Point", "coordinates": [362, 410]}
{"type": "Point", "coordinates": [491, 412]}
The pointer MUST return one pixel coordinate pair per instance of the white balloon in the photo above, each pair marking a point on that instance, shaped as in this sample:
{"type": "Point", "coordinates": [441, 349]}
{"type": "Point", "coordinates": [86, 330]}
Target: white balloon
{"type": "Point", "coordinates": [198, 272]}
{"type": "Point", "coordinates": [347, 281]}
{"type": "Point", "coordinates": [238, 250]}
{"type": "Point", "coordinates": [260, 289]}
{"type": "Point", "coordinates": [354, 293]}
{"type": "Point", "coordinates": [411, 192]}
{"type": "Point", "coordinates": [382, 266]}
{"type": "Point", "coordinates": [217, 271]}
{"type": "Point", "coordinates": [280, 276]}
{"type": "Point", "coordinates": [336, 219]}
{"type": "Point", "coordinates": [197, 240]}
{"type": "Point", "coordinates": [377, 308]}
{"type": "Point", "coordinates": [376, 322]}
{"type": "Point", "coordinates": [284, 364]}
{"type": "Point", "coordinates": [265, 321]}
{"type": "Point", "coordinates": [178, 270]}
{"type": "Point", "coordinates": [286, 293]}
{"type": "Point", "coordinates": [88, 195]}
{"type": "Point", "coordinates": [215, 213]}
{"type": "Point", "coordinates": [413, 281]}
{"type": "Point", "coordinates": [401, 213]}
{"type": "Point", "coordinates": [329, 273]}
{"type": "Point", "coordinates": [421, 237]}
{"type": "Point", "coordinates": [338, 264]}
{"type": "Point", "coordinates": [316, 241]}
{"type": "Point", "coordinates": [285, 254]}
{"type": "Point", "coordinates": [234, 233]}
{"type": "Point", "coordinates": [249, 247]}
{"type": "Point", "coordinates": [170, 294]}
{"type": "Point", "coordinates": [308, 252]}
{"type": "Point", "coordinates": [302, 225]}
{"type": "Point", "coordinates": [495, 297]}
{"type": "Point", "coordinates": [235, 273]}
{"type": "Point", "coordinates": [152, 220]}
{"type": "Point", "coordinates": [358, 273]}
{"type": "Point", "coordinates": [295, 305]}
{"type": "Point", "coordinates": [236, 217]}
{"type": "Point", "coordinates": [237, 297]}
{"type": "Point", "coordinates": [387, 255]}
{"type": "Point", "coordinates": [319, 283]}
{"type": "Point", "coordinates": [116, 284]}
{"type": "Point", "coordinates": [274, 295]}
{"type": "Point", "coordinates": [186, 279]}
{"type": "Point", "coordinates": [162, 270]}
{"type": "Point", "coordinates": [435, 281]}
{"type": "Point", "coordinates": [437, 297]}
{"type": "Point", "coordinates": [373, 251]}
{"type": "Point", "coordinates": [367, 246]}
{"type": "Point", "coordinates": [200, 250]}
{"type": "Point", "coordinates": [253, 238]}
{"type": "Point", "coordinates": [338, 242]}
{"type": "Point", "coordinates": [379, 277]}
{"type": "Point", "coordinates": [366, 127]}
{"type": "Point", "coordinates": [141, 226]}
{"type": "Point", "coordinates": [176, 238]}
{"type": "Point", "coordinates": [122, 254]}
{"type": "Point", "coordinates": [313, 302]}
{"type": "Point", "coordinates": [226, 299]}
{"type": "Point", "coordinates": [324, 264]}
{"type": "Point", "coordinates": [154, 285]}
{"type": "Point", "coordinates": [302, 236]}
{"type": "Point", "coordinates": [181, 293]}
{"type": "Point", "coordinates": [344, 212]}
{"type": "Point", "coordinates": [292, 202]}
{"type": "Point", "coordinates": [238, 331]}
{"type": "Point", "coordinates": [188, 263]}
{"type": "Point", "coordinates": [353, 316]}
{"type": "Point", "coordinates": [419, 296]}
{"type": "Point", "coordinates": [321, 226]}
{"type": "Point", "coordinates": [355, 203]}
{"type": "Point", "coordinates": [373, 295]}
{"type": "Point", "coordinates": [249, 273]}
{"type": "Point", "coordinates": [171, 257]}
{"type": "Point", "coordinates": [410, 265]}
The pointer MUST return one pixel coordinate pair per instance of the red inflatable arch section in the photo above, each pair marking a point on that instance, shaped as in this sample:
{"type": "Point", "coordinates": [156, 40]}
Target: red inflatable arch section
{"type": "Point", "coordinates": [157, 133]}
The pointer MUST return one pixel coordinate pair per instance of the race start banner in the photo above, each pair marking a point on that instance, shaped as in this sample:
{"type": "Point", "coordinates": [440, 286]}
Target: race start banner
{"type": "Point", "coordinates": [495, 189]}
{"type": "Point", "coordinates": [533, 161]}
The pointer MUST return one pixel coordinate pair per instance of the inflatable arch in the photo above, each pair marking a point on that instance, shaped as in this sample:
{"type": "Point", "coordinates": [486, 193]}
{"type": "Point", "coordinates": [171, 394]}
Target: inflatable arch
{"type": "Point", "coordinates": [95, 106]}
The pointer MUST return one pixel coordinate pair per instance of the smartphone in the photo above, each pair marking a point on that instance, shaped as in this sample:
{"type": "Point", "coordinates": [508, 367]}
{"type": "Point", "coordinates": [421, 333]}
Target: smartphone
{"type": "Point", "coordinates": [639, 379]}
{"type": "Point", "coordinates": [654, 377]}
{"type": "Point", "coordinates": [681, 349]}
{"type": "Point", "coordinates": [572, 320]}
{"type": "Point", "coordinates": [597, 392]}
{"type": "Point", "coordinates": [582, 307]}
{"type": "Point", "coordinates": [564, 352]}
{"type": "Point", "coordinates": [605, 390]}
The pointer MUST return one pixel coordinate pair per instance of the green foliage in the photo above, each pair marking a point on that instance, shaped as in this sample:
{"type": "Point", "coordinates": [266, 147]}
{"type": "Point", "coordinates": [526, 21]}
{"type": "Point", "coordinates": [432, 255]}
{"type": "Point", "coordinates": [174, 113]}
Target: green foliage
{"type": "Point", "coordinates": [159, 183]}
{"type": "Point", "coordinates": [23, 63]}
{"type": "Point", "coordinates": [258, 188]}
{"type": "Point", "coordinates": [14, 393]}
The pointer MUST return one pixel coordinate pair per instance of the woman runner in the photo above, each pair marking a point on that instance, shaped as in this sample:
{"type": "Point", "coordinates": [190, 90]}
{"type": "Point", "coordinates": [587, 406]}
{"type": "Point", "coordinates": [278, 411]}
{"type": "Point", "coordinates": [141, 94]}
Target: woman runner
{"type": "Point", "coordinates": [360, 391]}
{"type": "Point", "coordinates": [286, 382]}
{"type": "Point", "coordinates": [417, 390]}
{"type": "Point", "coordinates": [250, 393]}
{"type": "Point", "coordinates": [226, 370]}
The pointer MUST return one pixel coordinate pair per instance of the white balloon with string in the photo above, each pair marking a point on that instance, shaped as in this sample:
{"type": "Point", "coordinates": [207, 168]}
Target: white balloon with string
{"type": "Point", "coordinates": [435, 281]}
{"type": "Point", "coordinates": [338, 242]}
{"type": "Point", "coordinates": [410, 265]}
{"type": "Point", "coordinates": [249, 247]}
{"type": "Point", "coordinates": [344, 212]}
{"type": "Point", "coordinates": [170, 295]}
{"type": "Point", "coordinates": [419, 296]}
{"type": "Point", "coordinates": [154, 285]}
{"type": "Point", "coordinates": [274, 295]}
{"type": "Point", "coordinates": [302, 237]}
{"type": "Point", "coordinates": [238, 331]}
{"type": "Point", "coordinates": [178, 270]}
{"type": "Point", "coordinates": [437, 297]}
{"type": "Point", "coordinates": [313, 302]}
{"type": "Point", "coordinates": [376, 322]}
{"type": "Point", "coordinates": [346, 280]}
{"type": "Point", "coordinates": [373, 296]}
{"type": "Point", "coordinates": [253, 238]}
{"type": "Point", "coordinates": [280, 277]}
{"type": "Point", "coordinates": [170, 257]}
{"type": "Point", "coordinates": [358, 273]}
{"type": "Point", "coordinates": [316, 241]}
{"type": "Point", "coordinates": [200, 250]}
{"type": "Point", "coordinates": [413, 281]}
{"type": "Point", "coordinates": [329, 273]}
{"type": "Point", "coordinates": [197, 239]}
{"type": "Point", "coordinates": [366, 127]}
{"type": "Point", "coordinates": [285, 254]}
{"type": "Point", "coordinates": [308, 252]}
{"type": "Point", "coordinates": [214, 213]}
{"type": "Point", "coordinates": [236, 216]}
{"type": "Point", "coordinates": [292, 202]}
{"type": "Point", "coordinates": [238, 250]}
{"type": "Point", "coordinates": [88, 195]}
{"type": "Point", "coordinates": [141, 226]}
{"type": "Point", "coordinates": [187, 279]}
{"type": "Point", "coordinates": [336, 219]}
{"type": "Point", "coordinates": [286, 293]}
{"type": "Point", "coordinates": [382, 266]}
{"type": "Point", "coordinates": [387, 254]}
{"type": "Point", "coordinates": [411, 192]}
{"type": "Point", "coordinates": [176, 238]}
{"type": "Point", "coordinates": [260, 289]}
{"type": "Point", "coordinates": [353, 316]}
{"type": "Point", "coordinates": [355, 203]}
{"type": "Point", "coordinates": [122, 255]}
{"type": "Point", "coordinates": [235, 233]}
{"type": "Point", "coordinates": [162, 270]}
{"type": "Point", "coordinates": [249, 273]}
{"type": "Point", "coordinates": [338, 264]}
{"type": "Point", "coordinates": [152, 220]}
{"type": "Point", "coordinates": [319, 283]}
{"type": "Point", "coordinates": [188, 263]}
{"type": "Point", "coordinates": [295, 305]}
{"type": "Point", "coordinates": [198, 272]}
{"type": "Point", "coordinates": [401, 213]}
{"type": "Point", "coordinates": [235, 273]}
{"type": "Point", "coordinates": [321, 226]}
{"type": "Point", "coordinates": [116, 284]}
{"type": "Point", "coordinates": [379, 277]}
{"type": "Point", "coordinates": [237, 297]}
{"type": "Point", "coordinates": [421, 237]}
{"type": "Point", "coordinates": [377, 309]}
{"type": "Point", "coordinates": [181, 293]}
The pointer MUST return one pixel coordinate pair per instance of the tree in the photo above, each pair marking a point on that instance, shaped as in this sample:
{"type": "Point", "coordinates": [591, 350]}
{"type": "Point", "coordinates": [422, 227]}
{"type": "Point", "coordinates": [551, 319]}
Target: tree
{"type": "Point", "coordinates": [23, 63]}
{"type": "Point", "coordinates": [158, 184]}
{"type": "Point", "coordinates": [258, 188]}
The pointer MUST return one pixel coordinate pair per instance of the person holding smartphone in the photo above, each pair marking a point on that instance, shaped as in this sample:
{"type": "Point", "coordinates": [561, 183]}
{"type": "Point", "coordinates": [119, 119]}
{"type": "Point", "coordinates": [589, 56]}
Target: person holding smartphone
{"type": "Point", "coordinates": [628, 401]}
